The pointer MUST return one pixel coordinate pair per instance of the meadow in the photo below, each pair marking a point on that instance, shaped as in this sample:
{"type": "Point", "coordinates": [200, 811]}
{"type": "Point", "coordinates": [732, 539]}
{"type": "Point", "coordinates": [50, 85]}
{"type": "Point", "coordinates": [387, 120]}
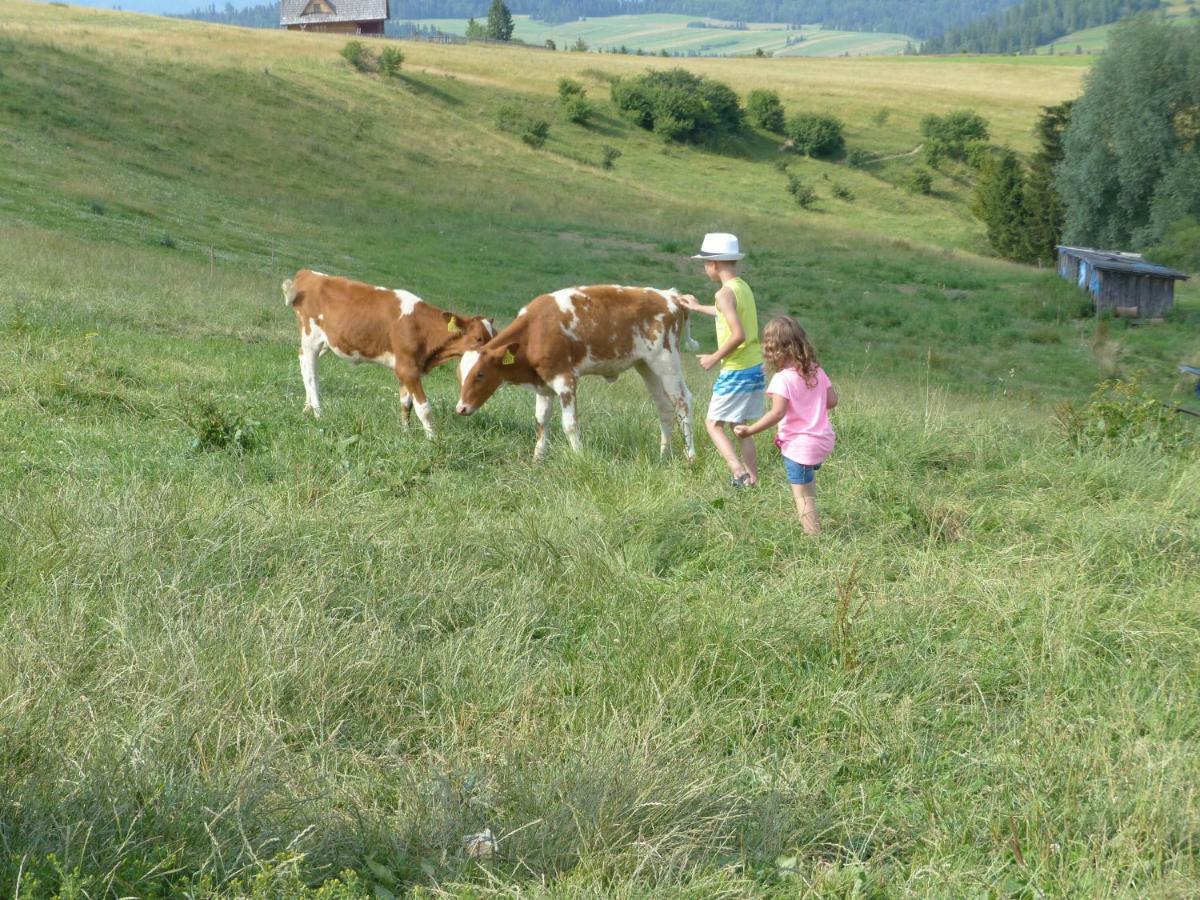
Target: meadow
{"type": "Point", "coordinates": [655, 32]}
{"type": "Point", "coordinates": [248, 653]}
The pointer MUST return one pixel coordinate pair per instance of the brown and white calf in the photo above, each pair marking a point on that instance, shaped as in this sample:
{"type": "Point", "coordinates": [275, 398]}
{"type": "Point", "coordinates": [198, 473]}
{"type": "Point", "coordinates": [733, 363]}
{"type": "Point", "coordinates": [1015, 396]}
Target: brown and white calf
{"type": "Point", "coordinates": [396, 329]}
{"type": "Point", "coordinates": [599, 330]}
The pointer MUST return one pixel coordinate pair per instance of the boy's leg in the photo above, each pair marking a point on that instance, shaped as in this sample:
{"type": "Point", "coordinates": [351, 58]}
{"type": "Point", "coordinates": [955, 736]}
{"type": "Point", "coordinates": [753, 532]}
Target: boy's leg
{"type": "Point", "coordinates": [721, 440]}
{"type": "Point", "coordinates": [805, 496]}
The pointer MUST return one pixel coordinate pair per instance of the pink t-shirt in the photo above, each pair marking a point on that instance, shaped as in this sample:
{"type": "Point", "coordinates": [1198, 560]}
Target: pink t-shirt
{"type": "Point", "coordinates": [804, 435]}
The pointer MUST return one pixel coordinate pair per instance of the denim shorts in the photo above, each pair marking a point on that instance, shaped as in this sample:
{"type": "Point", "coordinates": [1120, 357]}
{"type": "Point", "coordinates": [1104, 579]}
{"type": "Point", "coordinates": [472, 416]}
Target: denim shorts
{"type": "Point", "coordinates": [798, 473]}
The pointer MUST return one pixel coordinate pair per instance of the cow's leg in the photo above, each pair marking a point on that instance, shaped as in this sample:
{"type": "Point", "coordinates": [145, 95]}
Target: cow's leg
{"type": "Point", "coordinates": [541, 413]}
{"type": "Point", "coordinates": [671, 373]}
{"type": "Point", "coordinates": [411, 380]}
{"type": "Point", "coordinates": [406, 406]}
{"type": "Point", "coordinates": [310, 351]}
{"type": "Point", "coordinates": [564, 387]}
{"type": "Point", "coordinates": [666, 410]}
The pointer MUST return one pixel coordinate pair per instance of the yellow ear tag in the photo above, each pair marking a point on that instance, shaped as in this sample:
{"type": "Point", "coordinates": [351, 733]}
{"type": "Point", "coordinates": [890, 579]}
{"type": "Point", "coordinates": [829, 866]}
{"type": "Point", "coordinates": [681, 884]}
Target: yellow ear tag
{"type": "Point", "coordinates": [509, 359]}
{"type": "Point", "coordinates": [452, 325]}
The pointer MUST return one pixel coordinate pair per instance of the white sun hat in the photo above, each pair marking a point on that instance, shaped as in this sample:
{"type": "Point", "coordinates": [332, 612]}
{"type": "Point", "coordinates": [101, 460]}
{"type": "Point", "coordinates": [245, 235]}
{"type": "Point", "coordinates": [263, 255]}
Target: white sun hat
{"type": "Point", "coordinates": [719, 246]}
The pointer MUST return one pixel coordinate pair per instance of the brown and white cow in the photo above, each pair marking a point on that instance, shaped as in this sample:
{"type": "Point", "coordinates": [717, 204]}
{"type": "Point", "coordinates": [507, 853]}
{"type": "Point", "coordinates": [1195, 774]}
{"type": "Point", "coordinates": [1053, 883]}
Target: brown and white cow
{"type": "Point", "coordinates": [393, 328]}
{"type": "Point", "coordinates": [598, 330]}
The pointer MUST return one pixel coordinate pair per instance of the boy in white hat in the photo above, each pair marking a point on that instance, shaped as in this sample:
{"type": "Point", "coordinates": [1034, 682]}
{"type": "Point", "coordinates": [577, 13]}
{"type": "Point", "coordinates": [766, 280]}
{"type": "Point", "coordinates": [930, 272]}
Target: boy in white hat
{"type": "Point", "coordinates": [739, 391]}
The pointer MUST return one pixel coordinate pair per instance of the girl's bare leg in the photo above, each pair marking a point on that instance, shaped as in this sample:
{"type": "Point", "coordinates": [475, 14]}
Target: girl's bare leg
{"type": "Point", "coordinates": [750, 457]}
{"type": "Point", "coordinates": [805, 496]}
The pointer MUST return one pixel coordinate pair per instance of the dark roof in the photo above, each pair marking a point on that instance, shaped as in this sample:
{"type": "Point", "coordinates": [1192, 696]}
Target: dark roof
{"type": "Point", "coordinates": [1115, 261]}
{"type": "Point", "coordinates": [290, 11]}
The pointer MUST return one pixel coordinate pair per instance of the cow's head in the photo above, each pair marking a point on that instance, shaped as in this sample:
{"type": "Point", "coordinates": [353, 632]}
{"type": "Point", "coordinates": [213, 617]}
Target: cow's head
{"type": "Point", "coordinates": [467, 333]}
{"type": "Point", "coordinates": [480, 372]}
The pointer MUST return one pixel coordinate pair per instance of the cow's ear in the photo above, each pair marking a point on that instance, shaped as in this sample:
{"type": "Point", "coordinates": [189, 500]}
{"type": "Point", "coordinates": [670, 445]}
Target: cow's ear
{"type": "Point", "coordinates": [510, 354]}
{"type": "Point", "coordinates": [451, 323]}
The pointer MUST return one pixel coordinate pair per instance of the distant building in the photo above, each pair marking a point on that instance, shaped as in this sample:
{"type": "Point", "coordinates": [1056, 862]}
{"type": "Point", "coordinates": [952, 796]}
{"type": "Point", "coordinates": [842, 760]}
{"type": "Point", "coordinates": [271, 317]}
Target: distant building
{"type": "Point", "coordinates": [1122, 283]}
{"type": "Point", "coordinates": [336, 16]}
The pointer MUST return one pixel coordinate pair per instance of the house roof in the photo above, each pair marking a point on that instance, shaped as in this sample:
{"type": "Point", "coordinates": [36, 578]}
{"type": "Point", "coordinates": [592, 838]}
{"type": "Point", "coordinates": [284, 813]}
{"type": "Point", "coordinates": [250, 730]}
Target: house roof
{"type": "Point", "coordinates": [1116, 261]}
{"type": "Point", "coordinates": [291, 12]}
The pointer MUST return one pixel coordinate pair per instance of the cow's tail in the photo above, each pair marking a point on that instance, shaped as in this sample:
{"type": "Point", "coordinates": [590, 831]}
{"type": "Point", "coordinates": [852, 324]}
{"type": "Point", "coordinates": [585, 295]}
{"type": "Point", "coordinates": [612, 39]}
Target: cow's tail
{"type": "Point", "coordinates": [289, 292]}
{"type": "Point", "coordinates": [690, 344]}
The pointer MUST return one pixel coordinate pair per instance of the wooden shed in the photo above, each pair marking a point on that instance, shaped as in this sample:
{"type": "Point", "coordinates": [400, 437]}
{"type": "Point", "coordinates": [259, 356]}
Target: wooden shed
{"type": "Point", "coordinates": [1120, 282]}
{"type": "Point", "coordinates": [337, 16]}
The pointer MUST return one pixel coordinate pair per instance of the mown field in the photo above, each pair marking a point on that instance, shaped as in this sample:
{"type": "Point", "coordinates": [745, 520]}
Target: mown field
{"type": "Point", "coordinates": [655, 32]}
{"type": "Point", "coordinates": [246, 651]}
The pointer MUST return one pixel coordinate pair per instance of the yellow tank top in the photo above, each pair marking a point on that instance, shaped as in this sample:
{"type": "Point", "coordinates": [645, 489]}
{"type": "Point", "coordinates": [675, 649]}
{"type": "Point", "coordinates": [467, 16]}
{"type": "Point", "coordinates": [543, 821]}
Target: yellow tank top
{"type": "Point", "coordinates": [748, 353]}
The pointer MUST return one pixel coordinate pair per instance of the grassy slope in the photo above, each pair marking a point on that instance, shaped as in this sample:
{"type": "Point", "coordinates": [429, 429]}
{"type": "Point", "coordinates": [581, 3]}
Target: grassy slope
{"type": "Point", "coordinates": [358, 646]}
{"type": "Point", "coordinates": [655, 32]}
{"type": "Point", "coordinates": [1094, 40]}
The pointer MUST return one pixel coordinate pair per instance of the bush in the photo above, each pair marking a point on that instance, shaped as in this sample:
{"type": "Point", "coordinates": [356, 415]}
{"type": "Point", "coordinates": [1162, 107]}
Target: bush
{"type": "Point", "coordinates": [577, 110]}
{"type": "Point", "coordinates": [949, 136]}
{"type": "Point", "coordinates": [843, 193]}
{"type": "Point", "coordinates": [802, 193]}
{"type": "Point", "coordinates": [390, 61]}
{"type": "Point", "coordinates": [678, 105]}
{"type": "Point", "coordinates": [358, 55]}
{"type": "Point", "coordinates": [1122, 415]}
{"type": "Point", "coordinates": [765, 110]}
{"type": "Point", "coordinates": [860, 159]}
{"type": "Point", "coordinates": [535, 131]}
{"type": "Point", "coordinates": [816, 134]}
{"type": "Point", "coordinates": [165, 240]}
{"type": "Point", "coordinates": [568, 88]}
{"type": "Point", "coordinates": [609, 157]}
{"type": "Point", "coordinates": [919, 181]}
{"type": "Point", "coordinates": [214, 429]}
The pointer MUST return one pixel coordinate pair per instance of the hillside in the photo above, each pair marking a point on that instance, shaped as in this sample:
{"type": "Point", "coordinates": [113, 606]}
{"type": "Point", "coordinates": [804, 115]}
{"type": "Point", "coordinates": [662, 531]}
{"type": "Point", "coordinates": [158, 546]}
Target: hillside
{"type": "Point", "coordinates": [1094, 40]}
{"type": "Point", "coordinates": [246, 651]}
{"type": "Point", "coordinates": [1032, 23]}
{"type": "Point", "coordinates": [654, 33]}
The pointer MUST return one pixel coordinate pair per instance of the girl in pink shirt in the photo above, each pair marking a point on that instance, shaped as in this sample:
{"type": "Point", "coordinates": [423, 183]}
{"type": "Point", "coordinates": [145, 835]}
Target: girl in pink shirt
{"type": "Point", "coordinates": [801, 397]}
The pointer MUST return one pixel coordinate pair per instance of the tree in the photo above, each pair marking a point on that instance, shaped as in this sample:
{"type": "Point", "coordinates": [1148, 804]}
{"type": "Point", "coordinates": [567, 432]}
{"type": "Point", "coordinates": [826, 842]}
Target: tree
{"type": "Point", "coordinates": [499, 22]}
{"type": "Point", "coordinates": [1043, 205]}
{"type": "Point", "coordinates": [816, 134]}
{"type": "Point", "coordinates": [765, 110]}
{"type": "Point", "coordinates": [475, 30]}
{"type": "Point", "coordinates": [679, 105]}
{"type": "Point", "coordinates": [580, 45]}
{"type": "Point", "coordinates": [550, 45]}
{"type": "Point", "coordinates": [953, 135]}
{"type": "Point", "coordinates": [1000, 203]}
{"type": "Point", "coordinates": [1131, 164]}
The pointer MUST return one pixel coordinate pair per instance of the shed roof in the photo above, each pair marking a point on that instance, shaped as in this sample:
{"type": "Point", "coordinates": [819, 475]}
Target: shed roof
{"type": "Point", "coordinates": [291, 12]}
{"type": "Point", "coordinates": [1116, 261]}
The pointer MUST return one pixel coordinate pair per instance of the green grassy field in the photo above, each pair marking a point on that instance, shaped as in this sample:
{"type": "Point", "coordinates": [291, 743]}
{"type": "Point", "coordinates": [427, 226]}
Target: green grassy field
{"type": "Point", "coordinates": [663, 31]}
{"type": "Point", "coordinates": [246, 651]}
{"type": "Point", "coordinates": [1094, 40]}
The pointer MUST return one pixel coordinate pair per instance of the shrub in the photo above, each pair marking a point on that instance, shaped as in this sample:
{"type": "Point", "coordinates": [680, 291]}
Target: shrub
{"type": "Point", "coordinates": [214, 429]}
{"type": "Point", "coordinates": [802, 193]}
{"type": "Point", "coordinates": [165, 240]}
{"type": "Point", "coordinates": [535, 132]}
{"type": "Point", "coordinates": [919, 181]}
{"type": "Point", "coordinates": [843, 193]}
{"type": "Point", "coordinates": [881, 116]}
{"type": "Point", "coordinates": [781, 166]}
{"type": "Point", "coordinates": [816, 134]}
{"type": "Point", "coordinates": [609, 157]}
{"type": "Point", "coordinates": [568, 88]}
{"type": "Point", "coordinates": [358, 55]}
{"type": "Point", "coordinates": [947, 137]}
{"type": "Point", "coordinates": [679, 105]}
{"type": "Point", "coordinates": [577, 110]}
{"type": "Point", "coordinates": [580, 45]}
{"type": "Point", "coordinates": [550, 45]}
{"type": "Point", "coordinates": [96, 207]}
{"type": "Point", "coordinates": [1122, 414]}
{"type": "Point", "coordinates": [765, 110]}
{"type": "Point", "coordinates": [390, 61]}
{"type": "Point", "coordinates": [860, 159]}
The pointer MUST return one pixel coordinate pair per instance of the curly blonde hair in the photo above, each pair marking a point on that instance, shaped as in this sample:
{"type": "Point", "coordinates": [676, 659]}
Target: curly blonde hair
{"type": "Point", "coordinates": [786, 346]}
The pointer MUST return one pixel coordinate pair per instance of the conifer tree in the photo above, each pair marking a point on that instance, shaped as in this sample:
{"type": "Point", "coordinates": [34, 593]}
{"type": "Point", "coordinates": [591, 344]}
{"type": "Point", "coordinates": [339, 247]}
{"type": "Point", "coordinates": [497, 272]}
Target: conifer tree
{"type": "Point", "coordinates": [499, 22]}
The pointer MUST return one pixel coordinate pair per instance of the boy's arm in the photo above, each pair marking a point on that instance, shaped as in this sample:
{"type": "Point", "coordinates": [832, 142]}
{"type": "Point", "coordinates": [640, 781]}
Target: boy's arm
{"type": "Point", "coordinates": [727, 307]}
{"type": "Point", "coordinates": [777, 411]}
{"type": "Point", "coordinates": [688, 301]}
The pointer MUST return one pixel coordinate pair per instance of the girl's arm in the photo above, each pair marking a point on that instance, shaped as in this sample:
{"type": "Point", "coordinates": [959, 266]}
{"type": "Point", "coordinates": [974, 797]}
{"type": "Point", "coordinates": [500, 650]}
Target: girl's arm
{"type": "Point", "coordinates": [831, 398]}
{"type": "Point", "coordinates": [727, 306]}
{"type": "Point", "coordinates": [777, 411]}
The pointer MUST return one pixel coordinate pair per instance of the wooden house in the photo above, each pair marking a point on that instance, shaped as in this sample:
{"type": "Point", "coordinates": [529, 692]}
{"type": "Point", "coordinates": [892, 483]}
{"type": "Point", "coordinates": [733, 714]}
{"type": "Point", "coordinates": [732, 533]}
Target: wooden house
{"type": "Point", "coordinates": [337, 16]}
{"type": "Point", "coordinates": [1121, 283]}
